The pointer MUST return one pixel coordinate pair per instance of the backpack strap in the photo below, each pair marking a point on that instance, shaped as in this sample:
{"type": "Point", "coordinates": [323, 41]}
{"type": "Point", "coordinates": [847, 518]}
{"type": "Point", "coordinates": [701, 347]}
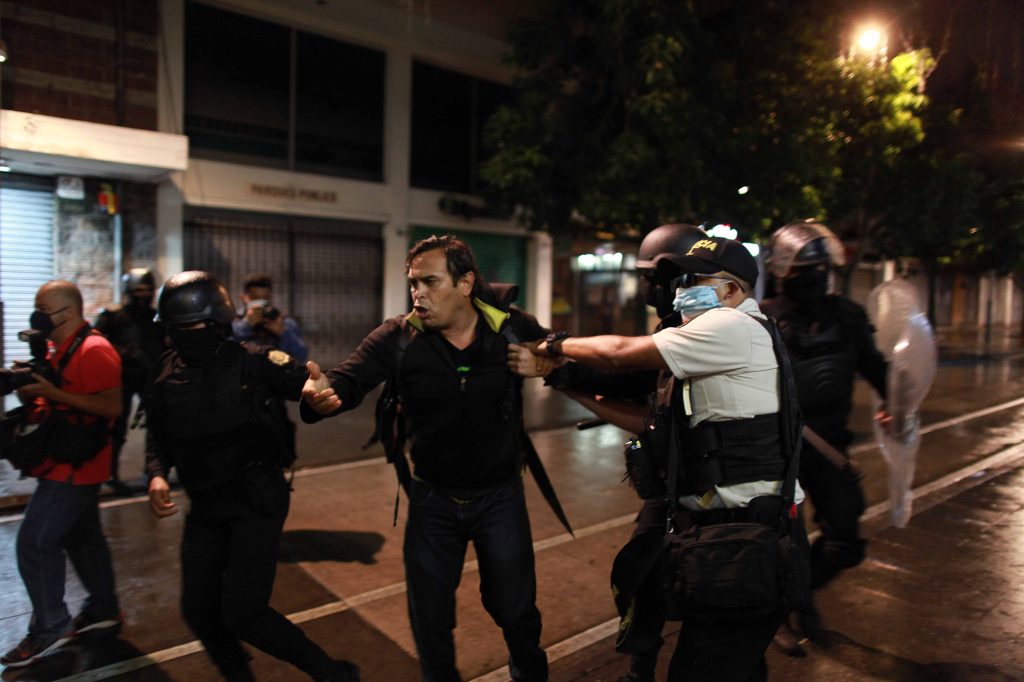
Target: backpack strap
{"type": "Point", "coordinates": [790, 417]}
{"type": "Point", "coordinates": [389, 429]}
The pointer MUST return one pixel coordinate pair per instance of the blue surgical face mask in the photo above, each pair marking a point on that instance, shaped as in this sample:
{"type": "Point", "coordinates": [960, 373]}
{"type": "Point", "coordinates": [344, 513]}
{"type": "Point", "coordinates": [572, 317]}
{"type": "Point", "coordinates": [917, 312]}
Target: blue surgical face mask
{"type": "Point", "coordinates": [695, 300]}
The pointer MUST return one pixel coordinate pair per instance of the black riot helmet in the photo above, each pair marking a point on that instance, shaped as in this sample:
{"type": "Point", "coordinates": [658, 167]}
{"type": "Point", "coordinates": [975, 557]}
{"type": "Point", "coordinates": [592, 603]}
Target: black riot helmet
{"type": "Point", "coordinates": [667, 242]}
{"type": "Point", "coordinates": [658, 261]}
{"type": "Point", "coordinates": [135, 278]}
{"type": "Point", "coordinates": [814, 252]}
{"type": "Point", "coordinates": [194, 296]}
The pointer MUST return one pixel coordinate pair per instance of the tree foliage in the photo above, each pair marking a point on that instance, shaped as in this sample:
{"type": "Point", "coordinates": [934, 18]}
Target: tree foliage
{"type": "Point", "coordinates": [635, 113]}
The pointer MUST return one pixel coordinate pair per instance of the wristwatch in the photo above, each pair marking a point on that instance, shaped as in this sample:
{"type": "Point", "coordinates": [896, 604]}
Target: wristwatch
{"type": "Point", "coordinates": [553, 343]}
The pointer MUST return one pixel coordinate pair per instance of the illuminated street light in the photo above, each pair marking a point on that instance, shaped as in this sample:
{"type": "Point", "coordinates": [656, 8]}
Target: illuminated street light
{"type": "Point", "coordinates": [870, 43]}
{"type": "Point", "coordinates": [869, 39]}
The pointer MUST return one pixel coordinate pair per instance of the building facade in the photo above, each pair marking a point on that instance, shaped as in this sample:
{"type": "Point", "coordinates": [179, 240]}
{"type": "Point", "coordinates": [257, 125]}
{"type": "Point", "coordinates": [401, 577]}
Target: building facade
{"type": "Point", "coordinates": [313, 141]}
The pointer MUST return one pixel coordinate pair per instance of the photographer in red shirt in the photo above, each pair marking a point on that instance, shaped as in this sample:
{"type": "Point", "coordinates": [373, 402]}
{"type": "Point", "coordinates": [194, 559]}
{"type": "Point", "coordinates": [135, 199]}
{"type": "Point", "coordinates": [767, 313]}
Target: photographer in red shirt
{"type": "Point", "coordinates": [62, 518]}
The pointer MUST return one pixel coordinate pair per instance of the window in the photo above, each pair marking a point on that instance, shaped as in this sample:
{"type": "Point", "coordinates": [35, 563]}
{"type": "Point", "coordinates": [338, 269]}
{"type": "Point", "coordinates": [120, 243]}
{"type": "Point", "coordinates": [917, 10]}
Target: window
{"type": "Point", "coordinates": [242, 104]}
{"type": "Point", "coordinates": [339, 126]}
{"type": "Point", "coordinates": [236, 87]}
{"type": "Point", "coordinates": [449, 112]}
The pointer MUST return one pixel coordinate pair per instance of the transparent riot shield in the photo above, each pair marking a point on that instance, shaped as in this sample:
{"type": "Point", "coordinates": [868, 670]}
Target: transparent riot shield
{"type": "Point", "coordinates": [905, 337]}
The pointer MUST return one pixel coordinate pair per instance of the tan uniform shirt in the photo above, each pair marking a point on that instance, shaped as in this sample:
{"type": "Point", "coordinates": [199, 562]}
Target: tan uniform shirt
{"type": "Point", "coordinates": [726, 359]}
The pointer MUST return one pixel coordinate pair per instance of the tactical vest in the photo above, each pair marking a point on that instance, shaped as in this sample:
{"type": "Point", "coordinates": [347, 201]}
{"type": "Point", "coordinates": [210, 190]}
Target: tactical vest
{"type": "Point", "coordinates": [217, 419]}
{"type": "Point", "coordinates": [824, 362]}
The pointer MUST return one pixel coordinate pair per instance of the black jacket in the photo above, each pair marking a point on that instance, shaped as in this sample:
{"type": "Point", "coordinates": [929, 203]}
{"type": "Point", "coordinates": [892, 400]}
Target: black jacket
{"type": "Point", "coordinates": [138, 340]}
{"type": "Point", "coordinates": [827, 346]}
{"type": "Point", "coordinates": [463, 429]}
{"type": "Point", "coordinates": [210, 421]}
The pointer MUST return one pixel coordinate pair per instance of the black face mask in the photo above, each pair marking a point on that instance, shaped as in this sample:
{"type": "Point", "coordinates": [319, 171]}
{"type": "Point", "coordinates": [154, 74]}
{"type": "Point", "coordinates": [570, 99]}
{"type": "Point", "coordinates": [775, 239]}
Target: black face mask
{"type": "Point", "coordinates": [196, 346]}
{"type": "Point", "coordinates": [807, 288]}
{"type": "Point", "coordinates": [141, 301]}
{"type": "Point", "coordinates": [43, 322]}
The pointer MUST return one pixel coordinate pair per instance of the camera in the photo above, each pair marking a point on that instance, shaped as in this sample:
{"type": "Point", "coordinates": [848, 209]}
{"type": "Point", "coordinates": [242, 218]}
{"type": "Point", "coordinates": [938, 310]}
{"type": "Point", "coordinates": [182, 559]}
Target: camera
{"type": "Point", "coordinates": [21, 371]}
{"type": "Point", "coordinates": [270, 312]}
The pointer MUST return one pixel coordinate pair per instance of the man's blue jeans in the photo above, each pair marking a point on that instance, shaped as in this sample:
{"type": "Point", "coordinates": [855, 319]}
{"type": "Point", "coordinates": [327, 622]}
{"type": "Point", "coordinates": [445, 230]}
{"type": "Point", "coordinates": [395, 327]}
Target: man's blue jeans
{"type": "Point", "coordinates": [60, 518]}
{"type": "Point", "coordinates": [436, 536]}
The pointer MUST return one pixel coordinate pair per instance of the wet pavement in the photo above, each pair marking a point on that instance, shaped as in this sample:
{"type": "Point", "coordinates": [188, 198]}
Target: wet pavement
{"type": "Point", "coordinates": [939, 600]}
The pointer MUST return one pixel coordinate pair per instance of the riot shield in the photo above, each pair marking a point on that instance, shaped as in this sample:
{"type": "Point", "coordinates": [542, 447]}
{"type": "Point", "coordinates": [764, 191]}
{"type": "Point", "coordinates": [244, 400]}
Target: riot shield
{"type": "Point", "coordinates": [905, 337]}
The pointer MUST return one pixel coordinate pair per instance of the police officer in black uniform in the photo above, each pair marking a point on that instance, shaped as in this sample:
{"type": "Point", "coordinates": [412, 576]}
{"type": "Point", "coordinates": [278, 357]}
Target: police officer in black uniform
{"type": "Point", "coordinates": [139, 341]}
{"type": "Point", "coordinates": [211, 416]}
{"type": "Point", "coordinates": [829, 339]}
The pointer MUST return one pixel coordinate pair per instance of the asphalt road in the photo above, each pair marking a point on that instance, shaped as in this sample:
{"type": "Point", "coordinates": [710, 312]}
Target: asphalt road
{"type": "Point", "coordinates": [340, 573]}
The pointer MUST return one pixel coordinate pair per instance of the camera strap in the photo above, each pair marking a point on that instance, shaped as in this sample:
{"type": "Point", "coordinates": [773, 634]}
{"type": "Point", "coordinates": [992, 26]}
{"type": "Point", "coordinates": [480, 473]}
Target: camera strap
{"type": "Point", "coordinates": [66, 358]}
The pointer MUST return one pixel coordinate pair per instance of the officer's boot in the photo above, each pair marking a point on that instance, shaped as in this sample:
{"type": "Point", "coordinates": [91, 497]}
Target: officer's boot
{"type": "Point", "coordinates": [830, 556]}
{"type": "Point", "coordinates": [787, 641]}
{"type": "Point", "coordinates": [343, 671]}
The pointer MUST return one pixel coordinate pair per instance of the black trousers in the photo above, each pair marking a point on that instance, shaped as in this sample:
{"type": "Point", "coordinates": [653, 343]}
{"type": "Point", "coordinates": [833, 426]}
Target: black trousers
{"type": "Point", "coordinates": [228, 564]}
{"type": "Point", "coordinates": [838, 504]}
{"type": "Point", "coordinates": [437, 534]}
{"type": "Point", "coordinates": [723, 652]}
{"type": "Point", "coordinates": [648, 613]}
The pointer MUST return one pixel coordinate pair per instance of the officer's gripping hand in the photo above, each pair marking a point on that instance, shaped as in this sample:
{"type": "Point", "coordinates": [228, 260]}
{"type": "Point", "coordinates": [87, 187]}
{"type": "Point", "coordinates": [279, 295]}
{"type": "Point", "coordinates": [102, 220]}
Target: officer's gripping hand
{"type": "Point", "coordinates": [523, 362]}
{"type": "Point", "coordinates": [318, 393]}
{"type": "Point", "coordinates": [160, 502]}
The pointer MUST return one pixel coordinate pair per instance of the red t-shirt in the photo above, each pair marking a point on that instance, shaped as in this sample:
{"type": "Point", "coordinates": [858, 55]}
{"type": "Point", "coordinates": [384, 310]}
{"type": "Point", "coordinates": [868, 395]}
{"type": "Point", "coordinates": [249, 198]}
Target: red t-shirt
{"type": "Point", "coordinates": [94, 367]}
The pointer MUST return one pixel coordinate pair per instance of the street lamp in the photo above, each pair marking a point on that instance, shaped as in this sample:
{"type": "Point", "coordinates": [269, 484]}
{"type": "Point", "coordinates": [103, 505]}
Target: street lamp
{"type": "Point", "coordinates": [870, 43]}
{"type": "Point", "coordinates": [869, 39]}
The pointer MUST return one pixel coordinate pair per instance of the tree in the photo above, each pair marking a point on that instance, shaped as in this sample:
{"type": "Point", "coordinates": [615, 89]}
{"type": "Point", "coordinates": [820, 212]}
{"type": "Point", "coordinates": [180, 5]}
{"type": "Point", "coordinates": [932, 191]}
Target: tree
{"type": "Point", "coordinates": [873, 113]}
{"type": "Point", "coordinates": [635, 113]}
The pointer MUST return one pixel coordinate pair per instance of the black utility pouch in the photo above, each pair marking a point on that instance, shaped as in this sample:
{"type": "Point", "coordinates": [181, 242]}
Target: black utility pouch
{"type": "Point", "coordinates": [724, 572]}
{"type": "Point", "coordinates": [642, 470]}
{"type": "Point", "coordinates": [265, 488]}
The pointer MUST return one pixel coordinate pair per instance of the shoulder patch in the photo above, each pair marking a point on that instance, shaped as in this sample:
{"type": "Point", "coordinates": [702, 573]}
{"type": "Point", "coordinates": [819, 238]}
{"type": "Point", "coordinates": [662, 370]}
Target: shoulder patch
{"type": "Point", "coordinates": [279, 357]}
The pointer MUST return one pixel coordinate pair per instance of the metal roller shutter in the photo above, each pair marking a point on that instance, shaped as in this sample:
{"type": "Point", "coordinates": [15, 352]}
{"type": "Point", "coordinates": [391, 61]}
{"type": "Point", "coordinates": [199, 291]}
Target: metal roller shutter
{"type": "Point", "coordinates": [327, 273]}
{"type": "Point", "coordinates": [26, 260]}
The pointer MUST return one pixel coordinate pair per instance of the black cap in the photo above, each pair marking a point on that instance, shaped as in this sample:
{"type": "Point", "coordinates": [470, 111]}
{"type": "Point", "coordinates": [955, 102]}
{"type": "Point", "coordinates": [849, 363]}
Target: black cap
{"type": "Point", "coordinates": [716, 254]}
